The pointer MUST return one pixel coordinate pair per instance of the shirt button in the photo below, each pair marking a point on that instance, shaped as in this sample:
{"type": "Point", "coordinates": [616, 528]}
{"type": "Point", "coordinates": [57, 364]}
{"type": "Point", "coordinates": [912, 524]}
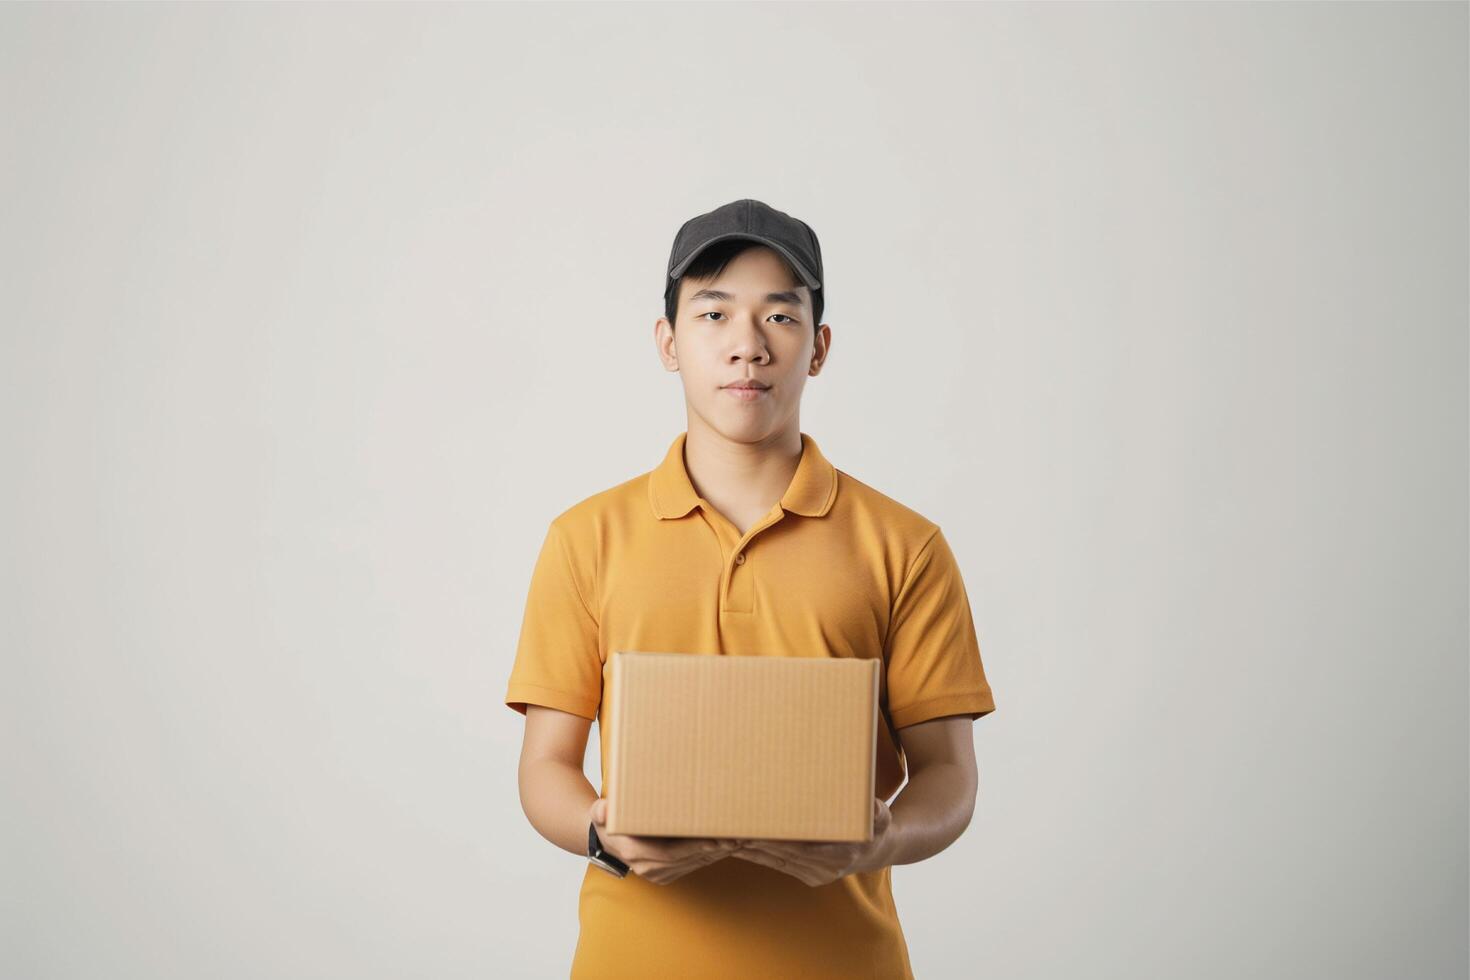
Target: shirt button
{"type": "Point", "coordinates": [740, 558]}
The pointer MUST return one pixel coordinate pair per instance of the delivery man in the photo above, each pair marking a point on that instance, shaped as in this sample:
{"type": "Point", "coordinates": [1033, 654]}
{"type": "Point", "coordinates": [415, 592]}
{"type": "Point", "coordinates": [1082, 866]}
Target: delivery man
{"type": "Point", "coordinates": [746, 541]}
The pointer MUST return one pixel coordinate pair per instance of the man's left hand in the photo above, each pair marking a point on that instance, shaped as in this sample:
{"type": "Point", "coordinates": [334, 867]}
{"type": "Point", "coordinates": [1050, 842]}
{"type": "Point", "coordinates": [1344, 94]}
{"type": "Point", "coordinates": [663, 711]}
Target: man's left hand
{"type": "Point", "coordinates": [821, 862]}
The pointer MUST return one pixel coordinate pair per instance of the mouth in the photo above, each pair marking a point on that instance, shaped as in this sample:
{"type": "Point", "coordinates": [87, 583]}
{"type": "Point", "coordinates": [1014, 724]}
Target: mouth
{"type": "Point", "coordinates": [746, 392]}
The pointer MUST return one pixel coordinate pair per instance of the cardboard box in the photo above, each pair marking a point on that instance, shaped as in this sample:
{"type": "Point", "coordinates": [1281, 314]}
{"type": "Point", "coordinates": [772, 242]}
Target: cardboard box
{"type": "Point", "coordinates": [707, 745]}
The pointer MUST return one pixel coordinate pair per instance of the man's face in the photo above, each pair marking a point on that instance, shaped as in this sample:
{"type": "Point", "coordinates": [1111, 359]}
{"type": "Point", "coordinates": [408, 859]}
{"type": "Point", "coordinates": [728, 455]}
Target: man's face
{"type": "Point", "coordinates": [751, 323]}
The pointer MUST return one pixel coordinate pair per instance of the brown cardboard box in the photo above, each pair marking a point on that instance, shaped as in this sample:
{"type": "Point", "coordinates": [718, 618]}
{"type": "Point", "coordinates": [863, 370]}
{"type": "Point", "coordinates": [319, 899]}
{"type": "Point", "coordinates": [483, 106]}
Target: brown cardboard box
{"type": "Point", "coordinates": [707, 745]}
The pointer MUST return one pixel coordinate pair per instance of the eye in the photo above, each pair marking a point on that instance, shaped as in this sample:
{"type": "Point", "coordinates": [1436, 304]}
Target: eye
{"type": "Point", "coordinates": [783, 316]}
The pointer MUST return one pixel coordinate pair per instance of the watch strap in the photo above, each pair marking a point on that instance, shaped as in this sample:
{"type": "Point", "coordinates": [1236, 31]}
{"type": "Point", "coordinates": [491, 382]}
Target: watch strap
{"type": "Point", "coordinates": [600, 856]}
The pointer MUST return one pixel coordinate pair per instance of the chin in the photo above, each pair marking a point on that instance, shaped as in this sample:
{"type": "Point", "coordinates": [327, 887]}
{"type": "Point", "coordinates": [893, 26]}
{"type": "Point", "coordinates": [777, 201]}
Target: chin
{"type": "Point", "coordinates": [739, 426]}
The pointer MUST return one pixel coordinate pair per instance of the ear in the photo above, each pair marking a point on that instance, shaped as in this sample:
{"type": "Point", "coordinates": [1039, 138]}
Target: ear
{"type": "Point", "coordinates": [821, 347]}
{"type": "Point", "coordinates": [663, 339]}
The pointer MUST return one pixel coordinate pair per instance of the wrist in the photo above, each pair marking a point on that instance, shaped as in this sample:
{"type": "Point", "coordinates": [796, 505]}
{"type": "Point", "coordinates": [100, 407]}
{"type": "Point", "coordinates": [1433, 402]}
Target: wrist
{"type": "Point", "coordinates": [880, 852]}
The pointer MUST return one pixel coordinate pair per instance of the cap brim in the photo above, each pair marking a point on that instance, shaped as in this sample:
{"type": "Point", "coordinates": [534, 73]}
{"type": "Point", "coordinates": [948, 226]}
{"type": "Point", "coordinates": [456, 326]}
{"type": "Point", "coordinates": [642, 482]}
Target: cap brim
{"type": "Point", "coordinates": [809, 280]}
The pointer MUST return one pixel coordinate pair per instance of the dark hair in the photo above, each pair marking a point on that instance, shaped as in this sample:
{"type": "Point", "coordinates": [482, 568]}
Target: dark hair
{"type": "Point", "coordinates": [712, 261]}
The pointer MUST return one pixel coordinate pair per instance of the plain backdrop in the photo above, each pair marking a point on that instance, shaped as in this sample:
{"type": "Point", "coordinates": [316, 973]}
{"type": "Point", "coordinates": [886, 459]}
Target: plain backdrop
{"type": "Point", "coordinates": [312, 318]}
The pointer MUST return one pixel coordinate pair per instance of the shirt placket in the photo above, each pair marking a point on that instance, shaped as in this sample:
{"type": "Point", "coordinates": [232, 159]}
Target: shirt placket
{"type": "Point", "coordinates": [738, 558]}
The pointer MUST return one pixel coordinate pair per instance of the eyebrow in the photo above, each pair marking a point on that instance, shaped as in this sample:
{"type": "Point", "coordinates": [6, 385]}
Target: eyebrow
{"type": "Point", "coordinates": [789, 296]}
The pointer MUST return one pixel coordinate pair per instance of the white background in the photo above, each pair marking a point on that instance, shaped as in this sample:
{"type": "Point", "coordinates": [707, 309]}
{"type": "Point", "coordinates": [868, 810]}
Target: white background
{"type": "Point", "coordinates": [312, 317]}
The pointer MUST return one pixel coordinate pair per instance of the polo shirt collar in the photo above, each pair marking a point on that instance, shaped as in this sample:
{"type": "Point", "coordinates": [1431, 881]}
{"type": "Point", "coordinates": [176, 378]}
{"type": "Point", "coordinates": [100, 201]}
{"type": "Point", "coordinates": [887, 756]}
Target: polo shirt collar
{"type": "Point", "coordinates": [812, 489]}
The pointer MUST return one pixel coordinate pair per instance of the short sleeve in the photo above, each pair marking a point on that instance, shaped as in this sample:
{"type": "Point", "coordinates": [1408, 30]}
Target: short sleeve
{"type": "Point", "coordinates": [557, 662]}
{"type": "Point", "coordinates": [932, 656]}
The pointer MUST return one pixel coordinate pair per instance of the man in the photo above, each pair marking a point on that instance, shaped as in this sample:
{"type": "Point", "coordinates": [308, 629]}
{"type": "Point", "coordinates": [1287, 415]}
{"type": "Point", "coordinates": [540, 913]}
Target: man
{"type": "Point", "coordinates": [746, 541]}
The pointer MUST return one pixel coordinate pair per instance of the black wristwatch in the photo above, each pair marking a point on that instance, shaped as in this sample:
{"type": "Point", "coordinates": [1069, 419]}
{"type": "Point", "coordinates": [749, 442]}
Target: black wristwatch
{"type": "Point", "coordinates": [600, 856]}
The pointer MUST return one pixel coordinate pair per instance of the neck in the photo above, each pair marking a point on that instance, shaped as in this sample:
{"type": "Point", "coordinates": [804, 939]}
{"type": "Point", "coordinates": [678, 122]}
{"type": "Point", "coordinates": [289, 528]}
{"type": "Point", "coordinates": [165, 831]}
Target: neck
{"type": "Point", "coordinates": [749, 476]}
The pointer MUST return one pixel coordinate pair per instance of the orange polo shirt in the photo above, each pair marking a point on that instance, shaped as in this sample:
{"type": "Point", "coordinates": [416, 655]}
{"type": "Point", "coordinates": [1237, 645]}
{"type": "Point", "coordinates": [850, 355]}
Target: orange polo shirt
{"type": "Point", "coordinates": [834, 569]}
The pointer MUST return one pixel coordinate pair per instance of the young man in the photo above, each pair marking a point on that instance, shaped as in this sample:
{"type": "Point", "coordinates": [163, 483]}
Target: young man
{"type": "Point", "coordinates": [746, 541]}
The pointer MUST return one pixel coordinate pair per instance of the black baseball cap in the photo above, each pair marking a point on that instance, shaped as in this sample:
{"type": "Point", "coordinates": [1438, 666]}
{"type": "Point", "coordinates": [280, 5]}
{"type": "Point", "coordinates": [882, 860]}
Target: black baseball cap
{"type": "Point", "coordinates": [757, 221]}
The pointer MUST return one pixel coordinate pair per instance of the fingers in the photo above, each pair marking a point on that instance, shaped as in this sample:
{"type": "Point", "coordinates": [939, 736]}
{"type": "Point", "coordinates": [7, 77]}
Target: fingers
{"type": "Point", "coordinates": [793, 867]}
{"type": "Point", "coordinates": [659, 859]}
{"type": "Point", "coordinates": [679, 848]}
{"type": "Point", "coordinates": [662, 860]}
{"type": "Point", "coordinates": [667, 850]}
{"type": "Point", "coordinates": [652, 848]}
{"type": "Point", "coordinates": [664, 872]}
{"type": "Point", "coordinates": [792, 848]}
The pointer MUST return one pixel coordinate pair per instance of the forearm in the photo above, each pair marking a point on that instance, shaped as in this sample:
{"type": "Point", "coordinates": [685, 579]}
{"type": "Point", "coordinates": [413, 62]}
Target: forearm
{"type": "Point", "coordinates": [930, 813]}
{"type": "Point", "coordinates": [557, 799]}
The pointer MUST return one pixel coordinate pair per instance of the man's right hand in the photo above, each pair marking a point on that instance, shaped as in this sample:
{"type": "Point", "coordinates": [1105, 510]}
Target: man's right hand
{"type": "Point", "coordinates": [659, 859]}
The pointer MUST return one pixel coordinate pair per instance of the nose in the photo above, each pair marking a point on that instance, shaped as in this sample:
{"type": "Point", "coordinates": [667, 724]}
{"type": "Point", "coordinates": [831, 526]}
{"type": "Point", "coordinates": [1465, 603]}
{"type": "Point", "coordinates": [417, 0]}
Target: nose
{"type": "Point", "coordinates": [747, 342]}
